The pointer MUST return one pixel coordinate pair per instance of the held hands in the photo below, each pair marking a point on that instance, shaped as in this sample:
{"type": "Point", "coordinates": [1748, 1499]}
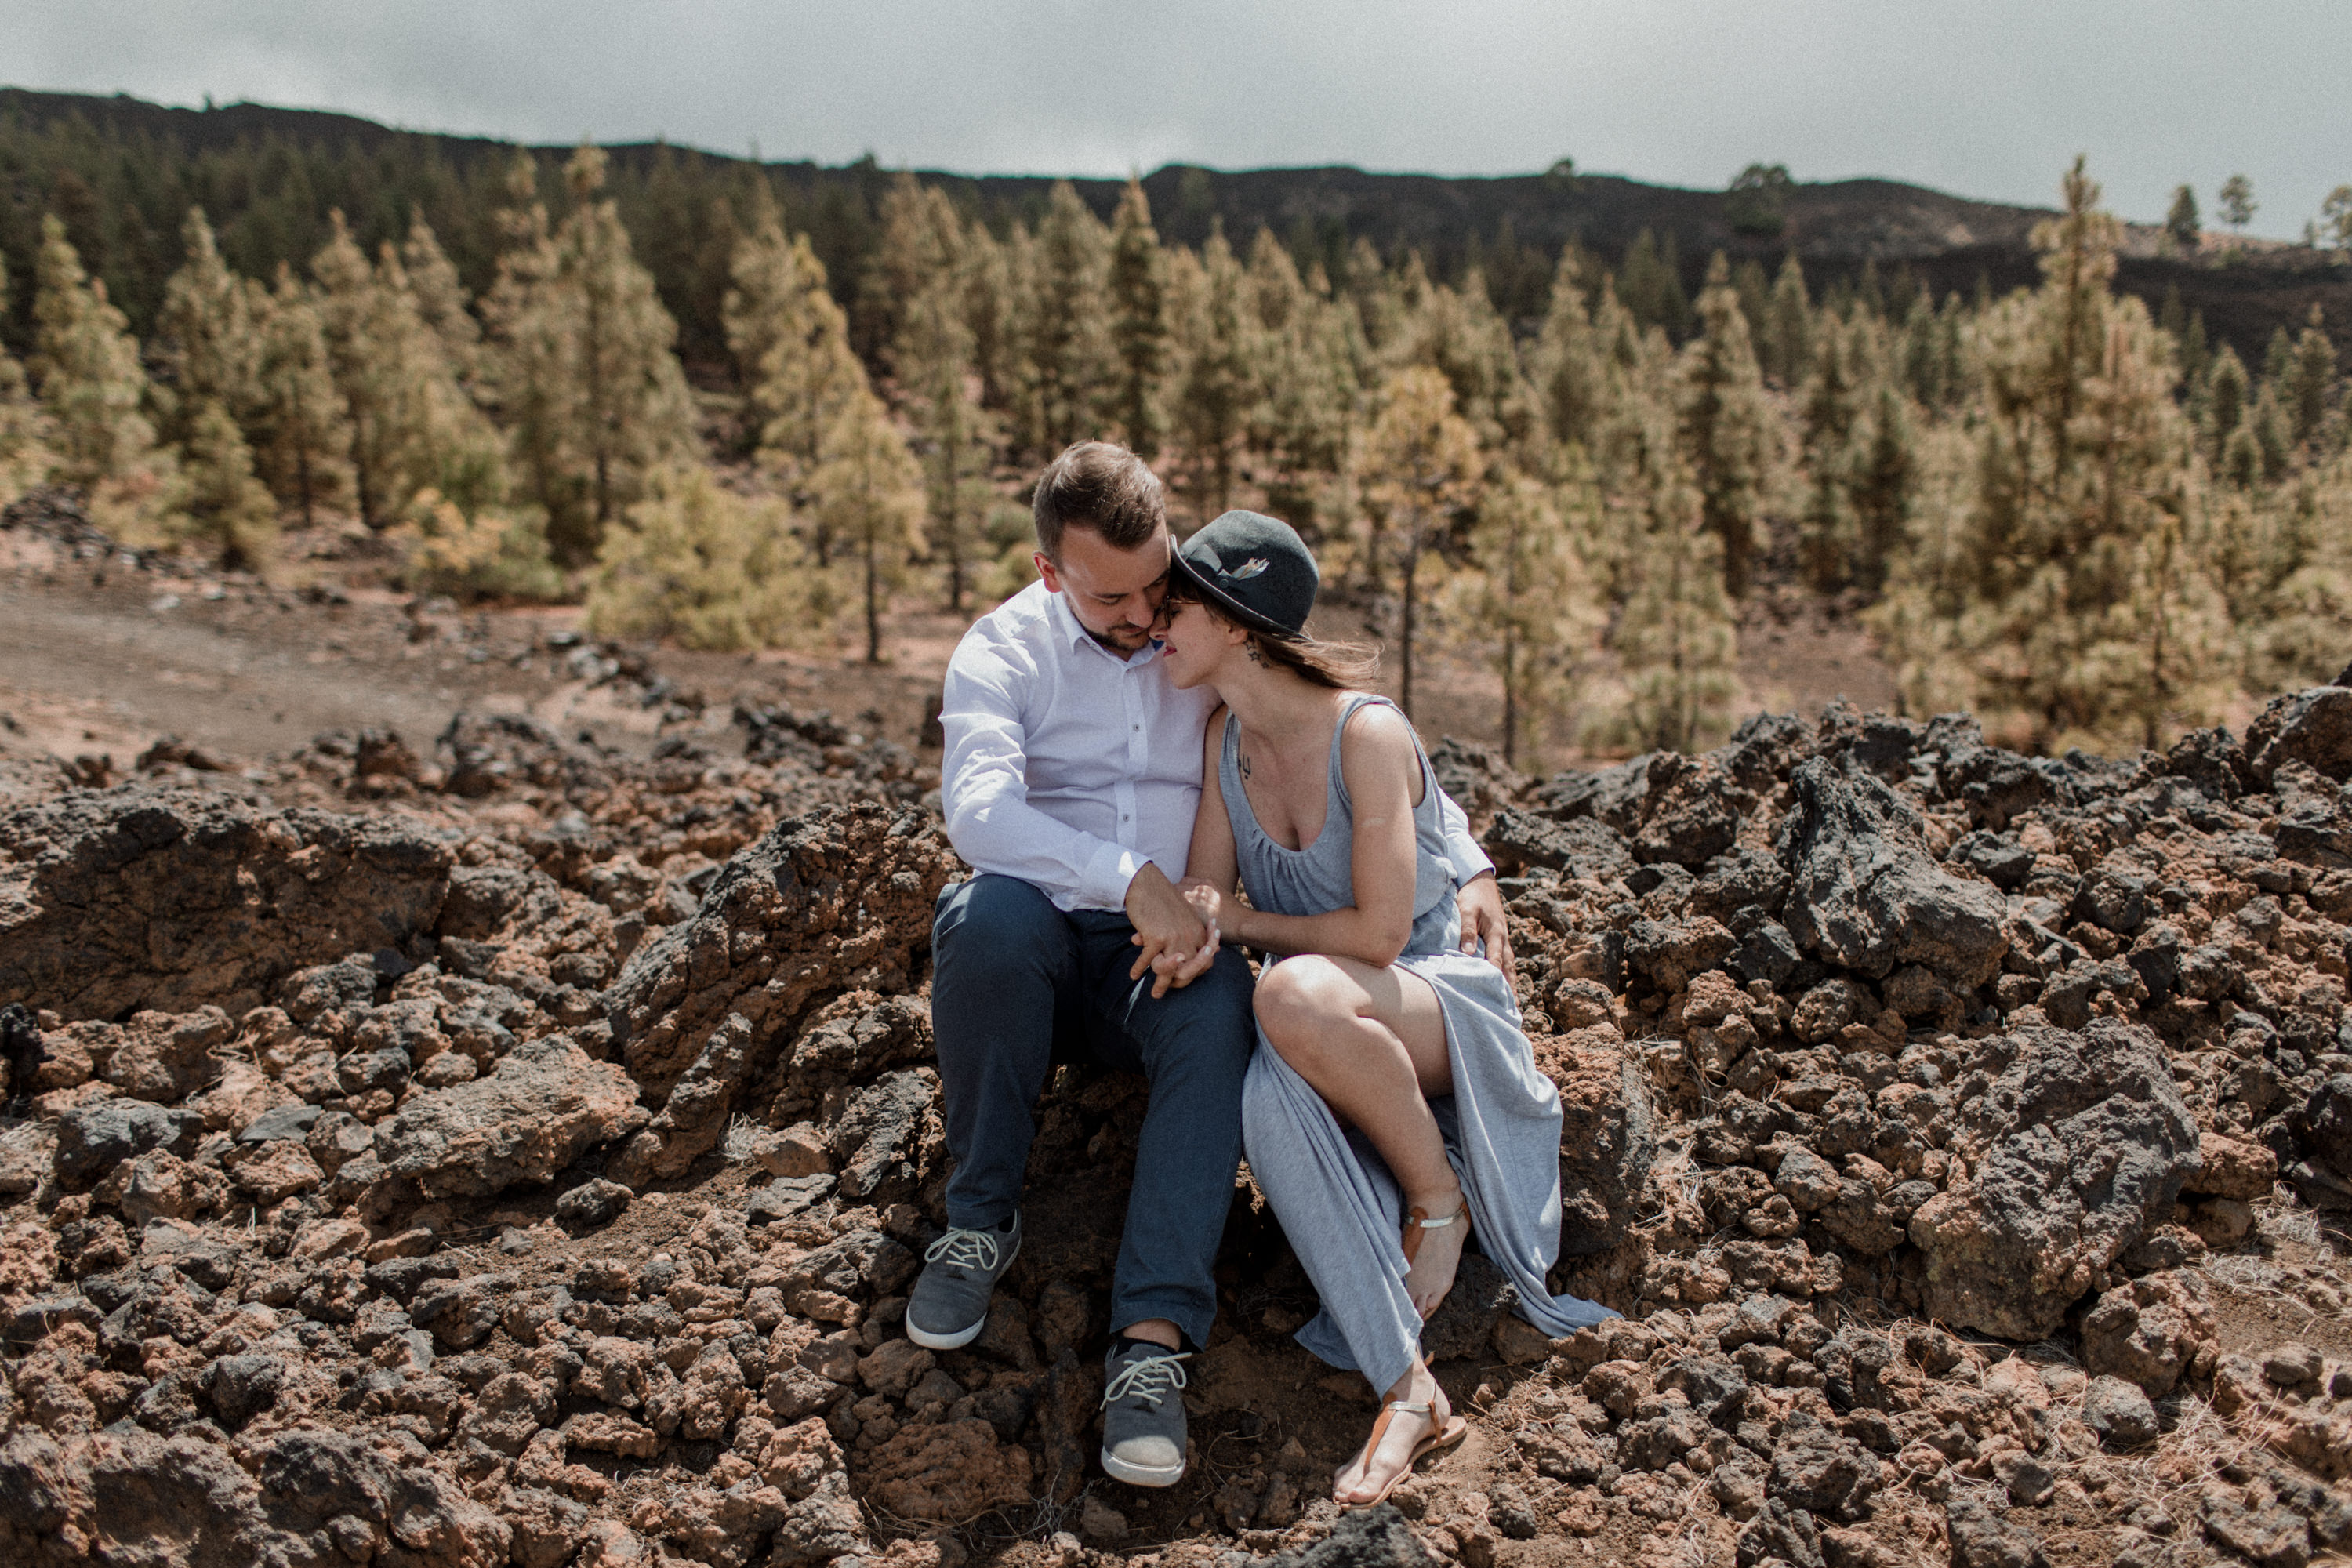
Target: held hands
{"type": "Point", "coordinates": [1178, 943]}
{"type": "Point", "coordinates": [1481, 905]}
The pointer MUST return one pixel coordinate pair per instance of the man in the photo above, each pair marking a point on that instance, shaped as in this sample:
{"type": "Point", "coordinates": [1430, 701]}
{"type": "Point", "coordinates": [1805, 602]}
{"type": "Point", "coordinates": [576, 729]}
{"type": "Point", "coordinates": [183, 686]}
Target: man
{"type": "Point", "coordinates": [1071, 776]}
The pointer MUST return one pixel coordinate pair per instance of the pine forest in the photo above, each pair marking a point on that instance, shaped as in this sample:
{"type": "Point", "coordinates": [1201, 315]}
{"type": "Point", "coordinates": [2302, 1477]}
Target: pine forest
{"type": "Point", "coordinates": [755, 420]}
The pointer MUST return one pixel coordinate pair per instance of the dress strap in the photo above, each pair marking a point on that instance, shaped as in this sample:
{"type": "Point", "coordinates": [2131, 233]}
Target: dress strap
{"type": "Point", "coordinates": [1356, 702]}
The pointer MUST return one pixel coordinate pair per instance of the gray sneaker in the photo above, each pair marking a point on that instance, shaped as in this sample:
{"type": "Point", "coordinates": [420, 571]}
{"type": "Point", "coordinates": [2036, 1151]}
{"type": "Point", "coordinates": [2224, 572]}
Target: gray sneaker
{"type": "Point", "coordinates": [949, 1306]}
{"type": "Point", "coordinates": [1143, 1414]}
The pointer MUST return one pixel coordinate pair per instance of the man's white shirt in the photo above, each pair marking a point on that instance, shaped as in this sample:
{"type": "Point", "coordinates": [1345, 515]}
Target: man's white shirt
{"type": "Point", "coordinates": [1068, 764]}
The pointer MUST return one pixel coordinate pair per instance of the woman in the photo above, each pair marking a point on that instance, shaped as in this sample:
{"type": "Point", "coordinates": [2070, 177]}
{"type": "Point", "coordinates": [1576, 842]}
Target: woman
{"type": "Point", "coordinates": [1394, 1105]}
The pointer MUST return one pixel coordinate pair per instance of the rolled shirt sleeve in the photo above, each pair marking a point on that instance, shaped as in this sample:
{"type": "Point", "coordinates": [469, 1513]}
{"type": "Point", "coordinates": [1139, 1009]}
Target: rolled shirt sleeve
{"type": "Point", "coordinates": [985, 789]}
{"type": "Point", "coordinates": [1462, 851]}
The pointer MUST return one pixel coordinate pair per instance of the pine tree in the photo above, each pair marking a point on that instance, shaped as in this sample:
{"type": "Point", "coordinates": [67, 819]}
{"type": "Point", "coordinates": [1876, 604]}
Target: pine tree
{"type": "Point", "coordinates": [411, 426]}
{"type": "Point", "coordinates": [25, 432]}
{"type": "Point", "coordinates": [1826, 532]}
{"type": "Point", "coordinates": [1784, 336]}
{"type": "Point", "coordinates": [92, 386]}
{"type": "Point", "coordinates": [1884, 488]}
{"type": "Point", "coordinates": [1675, 642]}
{"type": "Point", "coordinates": [1729, 437]}
{"type": "Point", "coordinates": [215, 500]}
{"type": "Point", "coordinates": [922, 240]}
{"type": "Point", "coordinates": [302, 440]}
{"type": "Point", "coordinates": [1531, 602]}
{"type": "Point", "coordinates": [2180, 219]}
{"type": "Point", "coordinates": [2072, 610]}
{"type": "Point", "coordinates": [1139, 326]}
{"type": "Point", "coordinates": [441, 301]}
{"type": "Point", "coordinates": [793, 343]}
{"type": "Point", "coordinates": [693, 561]}
{"type": "Point", "coordinates": [1310, 366]}
{"type": "Point", "coordinates": [2336, 219]}
{"type": "Point", "coordinates": [209, 346]}
{"type": "Point", "coordinates": [1458, 332]}
{"type": "Point", "coordinates": [2237, 202]}
{"type": "Point", "coordinates": [991, 310]}
{"type": "Point", "coordinates": [935, 364]}
{"type": "Point", "coordinates": [1218, 385]}
{"type": "Point", "coordinates": [2225, 400]}
{"type": "Point", "coordinates": [1650, 285]}
{"type": "Point", "coordinates": [370, 344]}
{"type": "Point", "coordinates": [2310, 375]}
{"type": "Point", "coordinates": [1566, 362]}
{"type": "Point", "coordinates": [1421, 471]}
{"type": "Point", "coordinates": [1066, 325]}
{"type": "Point", "coordinates": [582, 369]}
{"type": "Point", "coordinates": [870, 494]}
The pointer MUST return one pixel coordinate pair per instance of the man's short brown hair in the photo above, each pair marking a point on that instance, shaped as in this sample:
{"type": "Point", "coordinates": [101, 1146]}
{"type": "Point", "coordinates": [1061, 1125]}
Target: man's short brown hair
{"type": "Point", "coordinates": [1102, 486]}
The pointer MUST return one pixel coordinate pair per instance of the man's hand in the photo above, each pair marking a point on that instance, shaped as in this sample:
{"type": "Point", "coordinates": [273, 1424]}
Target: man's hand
{"type": "Point", "coordinates": [1481, 904]}
{"type": "Point", "coordinates": [1166, 927]}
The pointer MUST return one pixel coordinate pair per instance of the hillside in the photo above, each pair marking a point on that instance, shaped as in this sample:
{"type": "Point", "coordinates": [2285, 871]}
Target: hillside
{"type": "Point", "coordinates": [122, 172]}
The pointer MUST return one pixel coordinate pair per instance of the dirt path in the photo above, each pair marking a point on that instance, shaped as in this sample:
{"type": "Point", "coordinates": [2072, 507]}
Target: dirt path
{"type": "Point", "coordinates": [100, 660]}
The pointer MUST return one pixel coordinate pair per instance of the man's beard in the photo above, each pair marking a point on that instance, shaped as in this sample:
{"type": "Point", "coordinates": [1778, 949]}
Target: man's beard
{"type": "Point", "coordinates": [1143, 638]}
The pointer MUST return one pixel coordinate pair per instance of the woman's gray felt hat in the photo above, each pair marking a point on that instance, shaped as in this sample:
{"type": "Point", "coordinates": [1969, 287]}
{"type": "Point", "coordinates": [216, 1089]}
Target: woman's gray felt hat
{"type": "Point", "coordinates": [1255, 569]}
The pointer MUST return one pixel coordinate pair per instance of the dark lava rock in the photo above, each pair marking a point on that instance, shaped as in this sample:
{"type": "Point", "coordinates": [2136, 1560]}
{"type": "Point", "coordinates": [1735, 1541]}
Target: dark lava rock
{"type": "Point", "coordinates": [92, 1139]}
{"type": "Point", "coordinates": [177, 899]}
{"type": "Point", "coordinates": [2312, 727]}
{"type": "Point", "coordinates": [2085, 1140]}
{"type": "Point", "coordinates": [592, 1205]}
{"type": "Point", "coordinates": [1984, 1537]}
{"type": "Point", "coordinates": [242, 1386]}
{"type": "Point", "coordinates": [1780, 1533]}
{"type": "Point", "coordinates": [1580, 846]}
{"type": "Point", "coordinates": [2004, 862]}
{"type": "Point", "coordinates": [837, 900]}
{"type": "Point", "coordinates": [1464, 1324]}
{"type": "Point", "coordinates": [1867, 896]}
{"type": "Point", "coordinates": [2120, 1414]}
{"type": "Point", "coordinates": [1367, 1538]}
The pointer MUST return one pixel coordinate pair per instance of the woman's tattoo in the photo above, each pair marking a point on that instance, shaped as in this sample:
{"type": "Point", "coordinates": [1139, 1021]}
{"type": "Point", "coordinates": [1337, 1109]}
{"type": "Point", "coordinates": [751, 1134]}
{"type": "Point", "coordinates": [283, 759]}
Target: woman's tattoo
{"type": "Point", "coordinates": [1245, 765]}
{"type": "Point", "coordinates": [1255, 657]}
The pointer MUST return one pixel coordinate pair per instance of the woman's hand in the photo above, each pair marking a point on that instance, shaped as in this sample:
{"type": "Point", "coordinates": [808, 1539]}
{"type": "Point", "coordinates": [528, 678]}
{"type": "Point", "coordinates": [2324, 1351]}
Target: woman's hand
{"type": "Point", "coordinates": [1206, 901]}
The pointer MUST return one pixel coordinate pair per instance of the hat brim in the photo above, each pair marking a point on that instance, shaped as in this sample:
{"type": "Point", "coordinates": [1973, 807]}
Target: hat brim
{"type": "Point", "coordinates": [1224, 603]}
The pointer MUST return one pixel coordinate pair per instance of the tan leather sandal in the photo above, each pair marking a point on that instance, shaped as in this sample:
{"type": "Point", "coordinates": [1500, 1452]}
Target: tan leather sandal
{"type": "Point", "coordinates": [1446, 1436]}
{"type": "Point", "coordinates": [1417, 1220]}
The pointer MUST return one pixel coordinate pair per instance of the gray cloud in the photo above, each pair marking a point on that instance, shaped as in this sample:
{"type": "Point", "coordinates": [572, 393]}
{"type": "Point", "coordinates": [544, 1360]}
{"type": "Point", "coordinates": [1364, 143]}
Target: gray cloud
{"type": "Point", "coordinates": [1989, 99]}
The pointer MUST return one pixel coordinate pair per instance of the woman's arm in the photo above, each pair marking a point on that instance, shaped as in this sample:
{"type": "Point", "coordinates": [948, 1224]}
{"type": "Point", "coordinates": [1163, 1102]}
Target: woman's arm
{"type": "Point", "coordinates": [1383, 771]}
{"type": "Point", "coordinates": [1213, 859]}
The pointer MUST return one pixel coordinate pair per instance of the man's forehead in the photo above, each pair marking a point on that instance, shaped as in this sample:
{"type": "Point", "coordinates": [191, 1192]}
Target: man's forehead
{"type": "Point", "coordinates": [1104, 569]}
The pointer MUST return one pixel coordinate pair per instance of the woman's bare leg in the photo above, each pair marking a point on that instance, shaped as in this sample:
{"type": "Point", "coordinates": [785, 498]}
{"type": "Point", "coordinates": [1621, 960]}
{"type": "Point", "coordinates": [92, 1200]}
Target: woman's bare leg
{"type": "Point", "coordinates": [1361, 1478]}
{"type": "Point", "coordinates": [1372, 1042]}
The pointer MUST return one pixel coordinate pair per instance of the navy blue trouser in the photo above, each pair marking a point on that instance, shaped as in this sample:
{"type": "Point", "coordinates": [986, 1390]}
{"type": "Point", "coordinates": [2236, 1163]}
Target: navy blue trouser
{"type": "Point", "coordinates": [1017, 984]}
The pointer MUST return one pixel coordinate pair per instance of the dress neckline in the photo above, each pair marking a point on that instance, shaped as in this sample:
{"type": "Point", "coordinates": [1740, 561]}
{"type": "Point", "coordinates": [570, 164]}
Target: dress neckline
{"type": "Point", "coordinates": [1354, 704]}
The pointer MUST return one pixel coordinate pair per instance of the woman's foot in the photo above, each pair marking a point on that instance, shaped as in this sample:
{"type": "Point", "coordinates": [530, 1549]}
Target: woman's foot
{"type": "Point", "coordinates": [1399, 1438]}
{"type": "Point", "coordinates": [1434, 1229]}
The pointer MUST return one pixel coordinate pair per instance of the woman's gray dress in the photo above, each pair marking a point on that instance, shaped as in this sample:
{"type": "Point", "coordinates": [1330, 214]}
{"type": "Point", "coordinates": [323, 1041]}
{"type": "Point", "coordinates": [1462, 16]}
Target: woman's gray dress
{"type": "Point", "coordinates": [1340, 1205]}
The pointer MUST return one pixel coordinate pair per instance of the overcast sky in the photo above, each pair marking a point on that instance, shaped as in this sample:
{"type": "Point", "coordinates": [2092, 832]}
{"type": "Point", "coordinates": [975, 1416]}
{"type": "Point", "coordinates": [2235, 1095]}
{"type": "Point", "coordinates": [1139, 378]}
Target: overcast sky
{"type": "Point", "coordinates": [1985, 99]}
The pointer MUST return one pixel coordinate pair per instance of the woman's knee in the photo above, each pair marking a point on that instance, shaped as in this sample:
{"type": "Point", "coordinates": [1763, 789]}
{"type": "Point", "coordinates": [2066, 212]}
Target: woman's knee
{"type": "Point", "coordinates": [1300, 1000]}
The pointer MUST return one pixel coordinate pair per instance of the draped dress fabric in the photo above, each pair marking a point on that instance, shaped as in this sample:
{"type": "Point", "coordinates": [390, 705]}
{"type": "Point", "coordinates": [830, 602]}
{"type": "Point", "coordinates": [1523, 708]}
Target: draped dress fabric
{"type": "Point", "coordinates": [1339, 1204]}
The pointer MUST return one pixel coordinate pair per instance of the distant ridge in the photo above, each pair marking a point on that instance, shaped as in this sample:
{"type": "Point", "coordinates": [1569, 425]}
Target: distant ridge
{"type": "Point", "coordinates": [1513, 226]}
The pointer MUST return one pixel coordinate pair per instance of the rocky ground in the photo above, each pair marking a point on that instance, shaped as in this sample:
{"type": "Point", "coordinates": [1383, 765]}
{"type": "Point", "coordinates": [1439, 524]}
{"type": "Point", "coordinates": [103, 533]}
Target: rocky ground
{"type": "Point", "coordinates": [517, 1149]}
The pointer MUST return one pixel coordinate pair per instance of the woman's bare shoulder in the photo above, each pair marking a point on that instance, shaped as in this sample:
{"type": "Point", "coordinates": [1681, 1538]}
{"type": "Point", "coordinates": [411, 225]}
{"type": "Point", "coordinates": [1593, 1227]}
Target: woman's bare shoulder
{"type": "Point", "coordinates": [1377, 737]}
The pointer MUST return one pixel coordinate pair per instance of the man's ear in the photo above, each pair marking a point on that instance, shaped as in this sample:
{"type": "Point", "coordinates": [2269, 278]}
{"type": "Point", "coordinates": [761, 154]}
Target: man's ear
{"type": "Point", "coordinates": [1045, 569]}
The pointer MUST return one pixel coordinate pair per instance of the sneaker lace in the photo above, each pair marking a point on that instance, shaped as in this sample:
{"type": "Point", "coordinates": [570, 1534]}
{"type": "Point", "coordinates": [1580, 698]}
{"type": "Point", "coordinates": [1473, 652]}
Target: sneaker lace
{"type": "Point", "coordinates": [1148, 1378]}
{"type": "Point", "coordinates": [967, 1248]}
